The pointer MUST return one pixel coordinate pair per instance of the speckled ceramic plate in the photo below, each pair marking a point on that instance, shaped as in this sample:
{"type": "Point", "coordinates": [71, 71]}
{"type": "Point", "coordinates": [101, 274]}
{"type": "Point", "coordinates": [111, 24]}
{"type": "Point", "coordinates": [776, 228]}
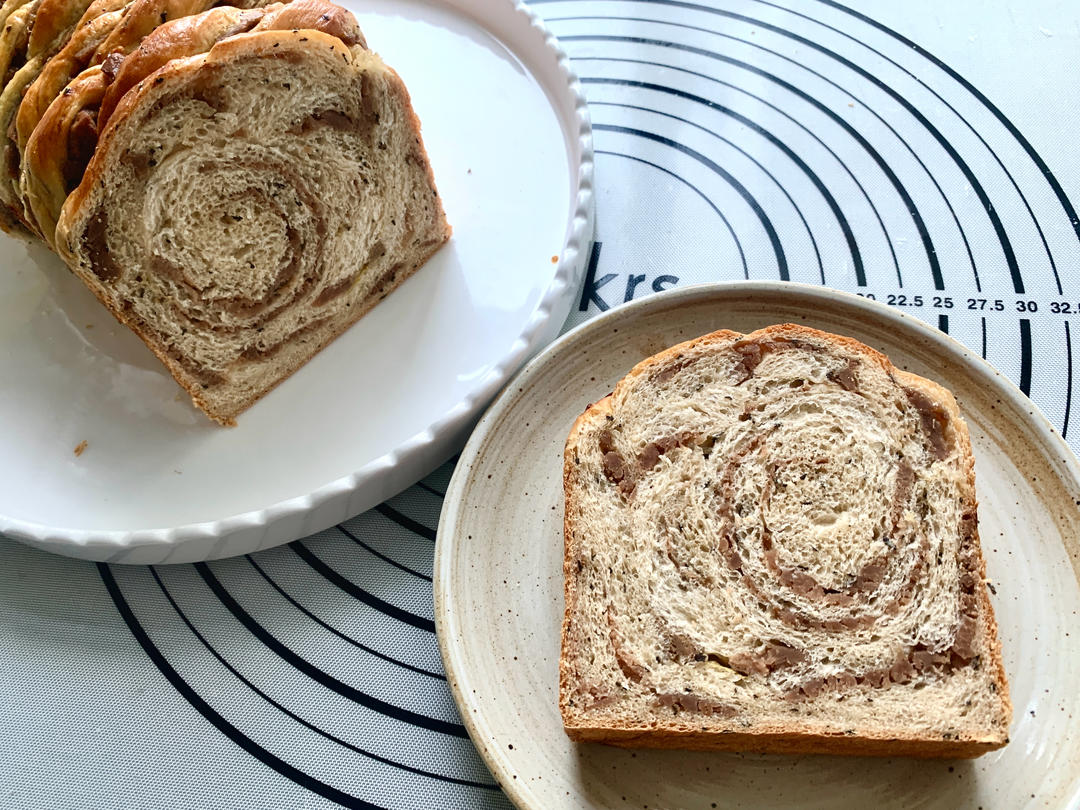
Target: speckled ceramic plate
{"type": "Point", "coordinates": [498, 578]}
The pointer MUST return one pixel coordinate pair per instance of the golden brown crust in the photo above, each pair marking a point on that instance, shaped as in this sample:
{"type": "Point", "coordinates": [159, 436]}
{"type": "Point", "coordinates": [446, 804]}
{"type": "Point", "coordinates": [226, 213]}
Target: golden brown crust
{"type": "Point", "coordinates": [49, 162]}
{"type": "Point", "coordinates": [176, 39]}
{"type": "Point", "coordinates": [15, 19]}
{"type": "Point", "coordinates": [189, 36]}
{"type": "Point", "coordinates": [142, 17]}
{"type": "Point", "coordinates": [53, 24]}
{"type": "Point", "coordinates": [107, 27]}
{"type": "Point", "coordinates": [16, 24]}
{"type": "Point", "coordinates": [595, 412]}
{"type": "Point", "coordinates": [319, 15]}
{"type": "Point", "coordinates": [765, 739]}
{"type": "Point", "coordinates": [49, 155]}
{"type": "Point", "coordinates": [70, 59]}
{"type": "Point", "coordinates": [790, 741]}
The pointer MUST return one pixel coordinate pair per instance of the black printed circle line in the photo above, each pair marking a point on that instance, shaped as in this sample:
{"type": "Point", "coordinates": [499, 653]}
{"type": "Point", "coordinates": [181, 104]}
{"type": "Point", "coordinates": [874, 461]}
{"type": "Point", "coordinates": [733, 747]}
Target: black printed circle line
{"type": "Point", "coordinates": [740, 150]}
{"type": "Point", "coordinates": [405, 522]}
{"type": "Point", "coordinates": [419, 575]}
{"type": "Point", "coordinates": [846, 92]}
{"type": "Point", "coordinates": [909, 203]}
{"type": "Point", "coordinates": [383, 656]}
{"type": "Point", "coordinates": [319, 676]}
{"type": "Point", "coordinates": [766, 172]}
{"type": "Point", "coordinates": [973, 181]}
{"type": "Point", "coordinates": [822, 189]}
{"type": "Point", "coordinates": [212, 716]}
{"type": "Point", "coordinates": [770, 105]}
{"type": "Point", "coordinates": [354, 590]}
{"type": "Point", "coordinates": [969, 175]}
{"type": "Point", "coordinates": [1025, 144]}
{"type": "Point", "coordinates": [1025, 356]}
{"type": "Point", "coordinates": [1036, 158]}
{"type": "Point", "coordinates": [292, 715]}
{"type": "Point", "coordinates": [430, 489]}
{"type": "Point", "coordinates": [938, 96]}
{"type": "Point", "coordinates": [1068, 381]}
{"type": "Point", "coordinates": [699, 192]}
{"type": "Point", "coordinates": [743, 192]}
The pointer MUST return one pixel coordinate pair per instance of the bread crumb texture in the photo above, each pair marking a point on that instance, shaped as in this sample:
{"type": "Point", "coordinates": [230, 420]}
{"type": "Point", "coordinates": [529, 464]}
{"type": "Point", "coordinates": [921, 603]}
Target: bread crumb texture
{"type": "Point", "coordinates": [772, 545]}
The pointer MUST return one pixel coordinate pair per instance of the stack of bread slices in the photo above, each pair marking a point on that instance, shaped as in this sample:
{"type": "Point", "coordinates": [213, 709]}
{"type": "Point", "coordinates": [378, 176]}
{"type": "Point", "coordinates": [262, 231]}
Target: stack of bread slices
{"type": "Point", "coordinates": [237, 184]}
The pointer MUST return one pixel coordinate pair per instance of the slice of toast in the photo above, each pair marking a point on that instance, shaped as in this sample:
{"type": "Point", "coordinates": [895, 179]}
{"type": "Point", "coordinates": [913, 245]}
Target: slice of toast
{"type": "Point", "coordinates": [772, 546]}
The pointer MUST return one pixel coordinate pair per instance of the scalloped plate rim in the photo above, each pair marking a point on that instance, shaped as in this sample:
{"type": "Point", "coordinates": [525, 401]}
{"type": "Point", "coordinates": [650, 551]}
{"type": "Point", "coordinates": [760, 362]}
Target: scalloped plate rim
{"type": "Point", "coordinates": [554, 305]}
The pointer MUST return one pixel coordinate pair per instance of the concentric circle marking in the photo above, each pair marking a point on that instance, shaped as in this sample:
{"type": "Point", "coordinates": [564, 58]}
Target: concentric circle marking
{"type": "Point", "coordinates": [812, 143]}
{"type": "Point", "coordinates": [700, 193]}
{"type": "Point", "coordinates": [950, 212]}
{"type": "Point", "coordinates": [319, 659]}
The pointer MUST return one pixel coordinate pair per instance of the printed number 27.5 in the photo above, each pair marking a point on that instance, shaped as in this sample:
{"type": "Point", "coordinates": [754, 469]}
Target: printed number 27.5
{"type": "Point", "coordinates": [996, 304]}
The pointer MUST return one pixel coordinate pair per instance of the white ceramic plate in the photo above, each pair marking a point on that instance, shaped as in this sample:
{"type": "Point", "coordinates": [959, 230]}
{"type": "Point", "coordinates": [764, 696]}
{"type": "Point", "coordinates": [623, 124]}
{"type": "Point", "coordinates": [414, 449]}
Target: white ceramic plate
{"type": "Point", "coordinates": [498, 577]}
{"type": "Point", "coordinates": [509, 138]}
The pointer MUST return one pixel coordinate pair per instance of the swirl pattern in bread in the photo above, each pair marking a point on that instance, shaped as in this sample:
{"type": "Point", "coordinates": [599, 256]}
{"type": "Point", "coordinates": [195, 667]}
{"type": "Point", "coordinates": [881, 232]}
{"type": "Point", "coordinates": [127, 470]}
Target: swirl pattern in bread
{"type": "Point", "coordinates": [106, 34]}
{"type": "Point", "coordinates": [64, 139]}
{"type": "Point", "coordinates": [772, 545]}
{"type": "Point", "coordinates": [245, 206]}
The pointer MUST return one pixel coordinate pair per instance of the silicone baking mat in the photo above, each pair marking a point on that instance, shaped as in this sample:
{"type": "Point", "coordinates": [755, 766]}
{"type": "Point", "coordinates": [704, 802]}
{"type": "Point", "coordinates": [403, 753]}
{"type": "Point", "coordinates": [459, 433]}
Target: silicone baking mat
{"type": "Point", "coordinates": [919, 153]}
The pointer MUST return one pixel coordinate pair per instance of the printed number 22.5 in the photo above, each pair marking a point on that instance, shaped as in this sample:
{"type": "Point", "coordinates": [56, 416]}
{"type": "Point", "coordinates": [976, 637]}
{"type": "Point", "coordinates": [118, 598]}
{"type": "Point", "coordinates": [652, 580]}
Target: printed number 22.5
{"type": "Point", "coordinates": [904, 301]}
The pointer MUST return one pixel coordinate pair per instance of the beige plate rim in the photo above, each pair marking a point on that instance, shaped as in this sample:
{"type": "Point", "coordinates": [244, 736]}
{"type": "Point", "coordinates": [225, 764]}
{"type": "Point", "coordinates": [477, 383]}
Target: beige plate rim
{"type": "Point", "coordinates": [471, 464]}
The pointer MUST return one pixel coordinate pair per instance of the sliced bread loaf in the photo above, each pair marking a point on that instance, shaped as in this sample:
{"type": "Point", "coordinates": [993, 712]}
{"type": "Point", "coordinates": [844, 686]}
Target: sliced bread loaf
{"type": "Point", "coordinates": [245, 206]}
{"type": "Point", "coordinates": [772, 545]}
{"type": "Point", "coordinates": [75, 55]}
{"type": "Point", "coordinates": [49, 25]}
{"type": "Point", "coordinates": [16, 24]}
